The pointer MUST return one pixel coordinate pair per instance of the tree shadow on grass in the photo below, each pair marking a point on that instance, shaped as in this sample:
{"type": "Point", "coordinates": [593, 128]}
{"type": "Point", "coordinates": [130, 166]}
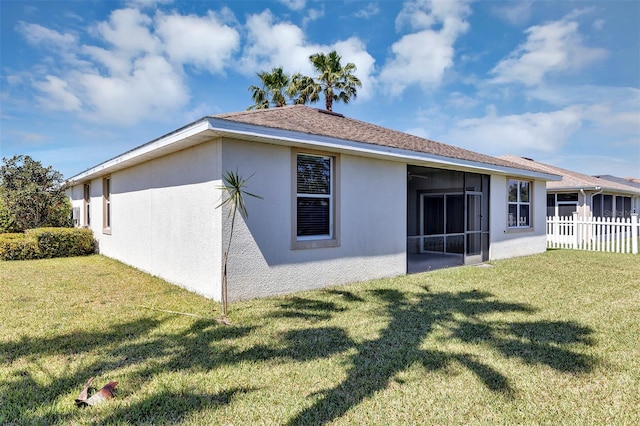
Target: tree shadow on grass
{"type": "Point", "coordinates": [308, 309]}
{"type": "Point", "coordinates": [146, 350]}
{"type": "Point", "coordinates": [170, 407]}
{"type": "Point", "coordinates": [135, 345]}
{"type": "Point", "coordinates": [376, 362]}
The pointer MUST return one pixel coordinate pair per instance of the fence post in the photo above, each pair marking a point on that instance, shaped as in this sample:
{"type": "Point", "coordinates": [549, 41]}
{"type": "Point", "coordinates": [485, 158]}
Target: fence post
{"type": "Point", "coordinates": [634, 233]}
{"type": "Point", "coordinates": [576, 231]}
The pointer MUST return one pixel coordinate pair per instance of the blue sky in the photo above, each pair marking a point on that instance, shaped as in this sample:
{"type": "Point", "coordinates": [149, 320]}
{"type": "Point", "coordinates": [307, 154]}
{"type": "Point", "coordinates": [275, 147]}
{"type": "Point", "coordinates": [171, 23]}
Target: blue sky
{"type": "Point", "coordinates": [557, 81]}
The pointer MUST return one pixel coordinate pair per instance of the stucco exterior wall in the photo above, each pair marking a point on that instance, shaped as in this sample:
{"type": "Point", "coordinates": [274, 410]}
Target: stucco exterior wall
{"type": "Point", "coordinates": [372, 225]}
{"type": "Point", "coordinates": [164, 219]}
{"type": "Point", "coordinates": [505, 242]}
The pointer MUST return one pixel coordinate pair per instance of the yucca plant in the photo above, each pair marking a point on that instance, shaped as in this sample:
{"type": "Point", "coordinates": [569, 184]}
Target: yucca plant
{"type": "Point", "coordinates": [234, 187]}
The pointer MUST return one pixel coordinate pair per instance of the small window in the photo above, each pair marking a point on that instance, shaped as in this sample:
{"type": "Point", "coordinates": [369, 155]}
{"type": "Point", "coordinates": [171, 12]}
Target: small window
{"type": "Point", "coordinates": [87, 204]}
{"type": "Point", "coordinates": [106, 199]}
{"type": "Point", "coordinates": [315, 201]}
{"type": "Point", "coordinates": [571, 196]}
{"type": "Point", "coordinates": [519, 204]}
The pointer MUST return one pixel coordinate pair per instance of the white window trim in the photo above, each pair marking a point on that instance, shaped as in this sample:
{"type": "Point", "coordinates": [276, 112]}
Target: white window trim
{"type": "Point", "coordinates": [519, 203]}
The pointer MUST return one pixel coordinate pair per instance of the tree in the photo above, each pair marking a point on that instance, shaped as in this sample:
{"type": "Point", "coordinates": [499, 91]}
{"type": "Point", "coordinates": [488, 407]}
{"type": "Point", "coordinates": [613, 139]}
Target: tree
{"type": "Point", "coordinates": [234, 187]}
{"type": "Point", "coordinates": [32, 195]}
{"type": "Point", "coordinates": [336, 82]}
{"type": "Point", "coordinates": [274, 90]}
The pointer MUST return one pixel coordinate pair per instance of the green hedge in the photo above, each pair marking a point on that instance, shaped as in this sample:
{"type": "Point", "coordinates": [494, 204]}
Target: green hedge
{"type": "Point", "coordinates": [44, 243]}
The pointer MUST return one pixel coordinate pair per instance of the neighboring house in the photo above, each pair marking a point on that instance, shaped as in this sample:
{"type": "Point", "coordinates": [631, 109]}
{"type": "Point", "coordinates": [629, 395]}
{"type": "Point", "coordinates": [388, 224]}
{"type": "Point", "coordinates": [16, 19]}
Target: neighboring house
{"type": "Point", "coordinates": [626, 181]}
{"type": "Point", "coordinates": [587, 195]}
{"type": "Point", "coordinates": [342, 201]}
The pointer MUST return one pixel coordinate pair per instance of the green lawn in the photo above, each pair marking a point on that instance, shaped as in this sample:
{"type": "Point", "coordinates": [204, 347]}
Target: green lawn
{"type": "Point", "coordinates": [546, 339]}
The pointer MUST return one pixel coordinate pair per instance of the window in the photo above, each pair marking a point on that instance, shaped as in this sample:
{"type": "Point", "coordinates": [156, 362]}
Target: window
{"type": "Point", "coordinates": [87, 204]}
{"type": "Point", "coordinates": [605, 205]}
{"type": "Point", "coordinates": [519, 200]}
{"type": "Point", "coordinates": [106, 204]}
{"type": "Point", "coordinates": [562, 204]}
{"type": "Point", "coordinates": [315, 201]}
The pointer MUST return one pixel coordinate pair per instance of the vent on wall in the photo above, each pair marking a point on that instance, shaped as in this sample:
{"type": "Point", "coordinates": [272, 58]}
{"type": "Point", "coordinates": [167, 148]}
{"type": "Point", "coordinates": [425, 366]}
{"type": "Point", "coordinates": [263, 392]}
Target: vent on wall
{"type": "Point", "coordinates": [75, 215]}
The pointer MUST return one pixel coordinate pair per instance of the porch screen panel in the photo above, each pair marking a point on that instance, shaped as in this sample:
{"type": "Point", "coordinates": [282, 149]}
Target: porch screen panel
{"type": "Point", "coordinates": [434, 215]}
{"type": "Point", "coordinates": [455, 214]}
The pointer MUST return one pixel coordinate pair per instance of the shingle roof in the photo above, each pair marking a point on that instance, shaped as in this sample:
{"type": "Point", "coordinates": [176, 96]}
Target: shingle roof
{"type": "Point", "coordinates": [573, 180]}
{"type": "Point", "coordinates": [300, 118]}
{"type": "Point", "coordinates": [626, 181]}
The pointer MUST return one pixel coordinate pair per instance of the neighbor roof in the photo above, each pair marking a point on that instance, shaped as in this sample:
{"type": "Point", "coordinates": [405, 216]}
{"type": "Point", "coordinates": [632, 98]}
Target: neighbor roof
{"type": "Point", "coordinates": [573, 180]}
{"type": "Point", "coordinates": [312, 121]}
{"type": "Point", "coordinates": [626, 180]}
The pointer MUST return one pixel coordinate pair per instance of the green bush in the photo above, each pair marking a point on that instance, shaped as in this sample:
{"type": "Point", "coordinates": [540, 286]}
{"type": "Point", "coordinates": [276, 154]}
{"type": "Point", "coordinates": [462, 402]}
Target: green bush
{"type": "Point", "coordinates": [44, 243]}
{"type": "Point", "coordinates": [18, 247]}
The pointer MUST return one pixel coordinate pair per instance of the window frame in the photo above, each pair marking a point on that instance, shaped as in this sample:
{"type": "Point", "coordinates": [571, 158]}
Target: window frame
{"type": "Point", "coordinates": [321, 240]}
{"type": "Point", "coordinates": [519, 203]}
{"type": "Point", "coordinates": [107, 212]}
{"type": "Point", "coordinates": [87, 205]}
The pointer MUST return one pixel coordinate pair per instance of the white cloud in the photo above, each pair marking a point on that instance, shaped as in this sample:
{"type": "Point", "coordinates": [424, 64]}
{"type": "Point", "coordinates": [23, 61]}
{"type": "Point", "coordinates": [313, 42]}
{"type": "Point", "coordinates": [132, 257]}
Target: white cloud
{"type": "Point", "coordinates": [369, 11]}
{"type": "Point", "coordinates": [135, 70]}
{"type": "Point", "coordinates": [38, 35]}
{"type": "Point", "coordinates": [58, 94]}
{"type": "Point", "coordinates": [550, 48]}
{"type": "Point", "coordinates": [147, 4]}
{"type": "Point", "coordinates": [423, 56]}
{"type": "Point", "coordinates": [205, 42]}
{"type": "Point", "coordinates": [129, 31]}
{"type": "Point", "coordinates": [152, 89]}
{"type": "Point", "coordinates": [516, 134]}
{"type": "Point", "coordinates": [270, 44]}
{"type": "Point", "coordinates": [294, 4]}
{"type": "Point", "coordinates": [515, 13]}
{"type": "Point", "coordinates": [312, 15]}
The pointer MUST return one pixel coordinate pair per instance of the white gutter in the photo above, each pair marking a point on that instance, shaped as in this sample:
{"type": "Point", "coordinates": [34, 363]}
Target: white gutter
{"type": "Point", "coordinates": [598, 191]}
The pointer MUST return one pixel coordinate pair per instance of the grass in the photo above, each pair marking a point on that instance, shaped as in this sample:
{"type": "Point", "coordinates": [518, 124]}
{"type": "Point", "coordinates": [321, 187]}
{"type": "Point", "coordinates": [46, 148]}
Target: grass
{"type": "Point", "coordinates": [546, 339]}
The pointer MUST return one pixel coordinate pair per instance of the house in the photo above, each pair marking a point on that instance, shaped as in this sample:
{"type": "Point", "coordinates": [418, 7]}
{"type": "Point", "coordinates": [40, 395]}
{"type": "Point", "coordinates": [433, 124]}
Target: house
{"type": "Point", "coordinates": [342, 201]}
{"type": "Point", "coordinates": [604, 196]}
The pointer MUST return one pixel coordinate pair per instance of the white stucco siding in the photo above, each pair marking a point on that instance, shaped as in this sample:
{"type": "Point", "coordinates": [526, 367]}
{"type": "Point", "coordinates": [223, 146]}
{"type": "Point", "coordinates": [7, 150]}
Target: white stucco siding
{"type": "Point", "coordinates": [505, 242]}
{"type": "Point", "coordinates": [372, 225]}
{"type": "Point", "coordinates": [164, 219]}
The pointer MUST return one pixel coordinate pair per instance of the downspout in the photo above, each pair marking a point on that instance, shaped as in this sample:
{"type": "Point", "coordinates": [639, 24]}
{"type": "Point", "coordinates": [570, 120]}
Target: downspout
{"type": "Point", "coordinates": [598, 191]}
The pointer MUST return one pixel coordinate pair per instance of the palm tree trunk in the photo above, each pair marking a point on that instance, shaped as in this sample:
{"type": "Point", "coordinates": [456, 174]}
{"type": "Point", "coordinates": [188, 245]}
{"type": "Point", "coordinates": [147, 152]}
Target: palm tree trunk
{"type": "Point", "coordinates": [225, 257]}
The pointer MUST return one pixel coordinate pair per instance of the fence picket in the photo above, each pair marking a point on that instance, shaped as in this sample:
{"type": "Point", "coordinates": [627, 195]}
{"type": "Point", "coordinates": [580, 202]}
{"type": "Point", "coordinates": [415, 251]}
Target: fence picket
{"type": "Point", "coordinates": [617, 235]}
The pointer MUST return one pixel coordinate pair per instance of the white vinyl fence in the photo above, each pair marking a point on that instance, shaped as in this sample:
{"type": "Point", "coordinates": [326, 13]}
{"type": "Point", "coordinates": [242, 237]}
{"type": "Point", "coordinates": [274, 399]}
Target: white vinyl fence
{"type": "Point", "coordinates": [617, 235]}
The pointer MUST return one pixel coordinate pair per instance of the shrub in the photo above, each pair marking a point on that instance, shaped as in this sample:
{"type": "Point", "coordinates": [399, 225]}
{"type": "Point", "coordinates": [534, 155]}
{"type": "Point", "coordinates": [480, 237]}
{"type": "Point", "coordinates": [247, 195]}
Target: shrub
{"type": "Point", "coordinates": [18, 247]}
{"type": "Point", "coordinates": [47, 243]}
{"type": "Point", "coordinates": [63, 242]}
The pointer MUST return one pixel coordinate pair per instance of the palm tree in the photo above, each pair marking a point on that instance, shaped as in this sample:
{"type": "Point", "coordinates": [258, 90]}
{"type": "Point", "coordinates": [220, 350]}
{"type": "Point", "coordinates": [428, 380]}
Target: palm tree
{"type": "Point", "coordinates": [234, 186]}
{"type": "Point", "coordinates": [303, 90]}
{"type": "Point", "coordinates": [338, 83]}
{"type": "Point", "coordinates": [274, 90]}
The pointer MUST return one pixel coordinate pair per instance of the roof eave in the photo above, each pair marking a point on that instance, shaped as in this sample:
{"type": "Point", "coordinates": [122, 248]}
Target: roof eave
{"type": "Point", "coordinates": [208, 128]}
{"type": "Point", "coordinates": [189, 135]}
{"type": "Point", "coordinates": [293, 138]}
